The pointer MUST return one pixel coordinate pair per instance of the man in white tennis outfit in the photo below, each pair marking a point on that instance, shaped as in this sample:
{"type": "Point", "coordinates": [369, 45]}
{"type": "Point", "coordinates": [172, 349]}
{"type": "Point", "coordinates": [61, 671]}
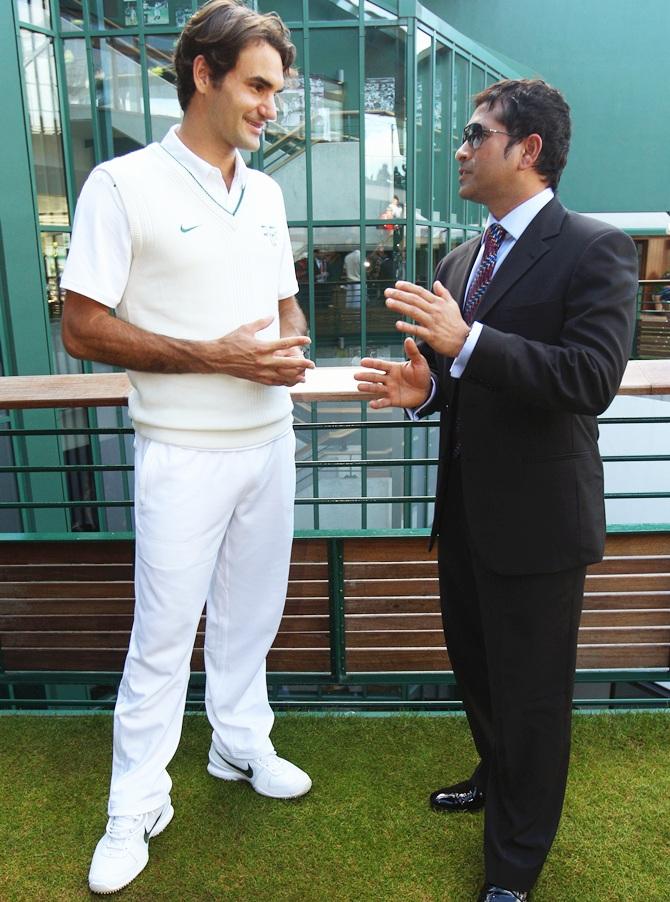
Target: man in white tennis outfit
{"type": "Point", "coordinates": [191, 250]}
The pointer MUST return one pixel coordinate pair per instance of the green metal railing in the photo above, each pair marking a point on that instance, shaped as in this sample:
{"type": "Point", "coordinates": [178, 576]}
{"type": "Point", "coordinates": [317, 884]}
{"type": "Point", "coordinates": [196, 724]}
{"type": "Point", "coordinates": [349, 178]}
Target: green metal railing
{"type": "Point", "coordinates": [338, 687]}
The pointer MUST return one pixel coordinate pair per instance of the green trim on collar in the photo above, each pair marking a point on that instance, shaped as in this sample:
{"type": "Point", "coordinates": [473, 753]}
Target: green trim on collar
{"type": "Point", "coordinates": [202, 187]}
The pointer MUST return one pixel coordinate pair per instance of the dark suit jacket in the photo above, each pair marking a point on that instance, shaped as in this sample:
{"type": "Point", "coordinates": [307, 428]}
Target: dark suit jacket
{"type": "Point", "coordinates": [557, 327]}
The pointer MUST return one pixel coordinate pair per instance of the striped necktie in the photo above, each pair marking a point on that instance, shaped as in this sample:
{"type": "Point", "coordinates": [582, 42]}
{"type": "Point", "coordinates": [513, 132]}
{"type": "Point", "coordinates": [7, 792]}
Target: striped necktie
{"type": "Point", "coordinates": [493, 238]}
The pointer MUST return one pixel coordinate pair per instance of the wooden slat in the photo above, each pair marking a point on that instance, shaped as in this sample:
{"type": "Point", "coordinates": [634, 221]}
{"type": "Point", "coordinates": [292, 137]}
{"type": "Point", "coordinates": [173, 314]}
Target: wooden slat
{"type": "Point", "coordinates": [369, 588]}
{"type": "Point", "coordinates": [635, 617]}
{"type": "Point", "coordinates": [380, 570]}
{"type": "Point", "coordinates": [637, 543]}
{"type": "Point", "coordinates": [631, 564]}
{"type": "Point", "coordinates": [393, 659]}
{"type": "Point", "coordinates": [91, 551]}
{"type": "Point", "coordinates": [316, 660]}
{"type": "Point", "coordinates": [623, 656]}
{"type": "Point", "coordinates": [629, 582]}
{"type": "Point", "coordinates": [60, 572]}
{"type": "Point", "coordinates": [424, 605]}
{"type": "Point", "coordinates": [622, 600]}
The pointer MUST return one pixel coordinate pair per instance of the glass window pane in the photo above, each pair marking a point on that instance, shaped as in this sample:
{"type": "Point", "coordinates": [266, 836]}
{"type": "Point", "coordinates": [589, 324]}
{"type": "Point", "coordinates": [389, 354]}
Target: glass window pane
{"type": "Point", "coordinates": [386, 9]}
{"type": "Point", "coordinates": [423, 130]}
{"type": "Point", "coordinates": [440, 246]}
{"type": "Point", "coordinates": [284, 145]}
{"type": "Point", "coordinates": [337, 331]}
{"type": "Point", "coordinates": [442, 157]}
{"type": "Point", "coordinates": [79, 108]}
{"type": "Point", "coordinates": [167, 12]}
{"type": "Point", "coordinates": [45, 127]}
{"type": "Point", "coordinates": [55, 246]}
{"type": "Point", "coordinates": [326, 10]}
{"type": "Point", "coordinates": [384, 264]}
{"type": "Point", "coordinates": [334, 93]}
{"type": "Point", "coordinates": [385, 123]}
{"type": "Point", "coordinates": [299, 248]}
{"type": "Point", "coordinates": [36, 12]}
{"type": "Point", "coordinates": [113, 13]}
{"type": "Point", "coordinates": [475, 214]}
{"type": "Point", "coordinates": [460, 113]}
{"type": "Point", "coordinates": [71, 15]}
{"type": "Point", "coordinates": [288, 10]}
{"type": "Point", "coordinates": [423, 274]}
{"type": "Point", "coordinates": [118, 87]}
{"type": "Point", "coordinates": [163, 103]}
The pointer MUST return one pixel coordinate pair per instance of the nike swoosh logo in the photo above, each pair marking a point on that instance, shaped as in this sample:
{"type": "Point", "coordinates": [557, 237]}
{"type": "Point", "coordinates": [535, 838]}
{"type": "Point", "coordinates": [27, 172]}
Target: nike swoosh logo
{"type": "Point", "coordinates": [247, 773]}
{"type": "Point", "coordinates": [147, 833]}
{"type": "Point", "coordinates": [190, 228]}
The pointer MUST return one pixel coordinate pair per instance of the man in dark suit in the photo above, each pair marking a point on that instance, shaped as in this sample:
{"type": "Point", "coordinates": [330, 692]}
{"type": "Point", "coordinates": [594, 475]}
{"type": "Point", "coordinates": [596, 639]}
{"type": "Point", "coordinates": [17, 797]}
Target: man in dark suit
{"type": "Point", "coordinates": [522, 342]}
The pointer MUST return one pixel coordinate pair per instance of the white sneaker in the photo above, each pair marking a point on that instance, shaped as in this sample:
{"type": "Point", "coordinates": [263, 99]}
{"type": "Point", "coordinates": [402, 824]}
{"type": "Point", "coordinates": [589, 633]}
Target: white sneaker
{"type": "Point", "coordinates": [269, 775]}
{"type": "Point", "coordinates": [123, 851]}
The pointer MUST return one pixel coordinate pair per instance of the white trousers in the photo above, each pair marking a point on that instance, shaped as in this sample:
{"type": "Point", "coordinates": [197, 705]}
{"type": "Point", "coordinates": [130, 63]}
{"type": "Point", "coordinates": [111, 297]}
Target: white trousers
{"type": "Point", "coordinates": [212, 526]}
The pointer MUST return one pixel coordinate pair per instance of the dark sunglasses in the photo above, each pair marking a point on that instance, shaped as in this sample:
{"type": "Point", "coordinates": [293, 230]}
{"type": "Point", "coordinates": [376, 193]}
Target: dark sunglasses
{"type": "Point", "coordinates": [475, 134]}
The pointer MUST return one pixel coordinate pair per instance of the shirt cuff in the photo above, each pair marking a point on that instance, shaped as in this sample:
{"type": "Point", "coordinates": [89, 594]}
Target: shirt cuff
{"type": "Point", "coordinates": [414, 413]}
{"type": "Point", "coordinates": [460, 362]}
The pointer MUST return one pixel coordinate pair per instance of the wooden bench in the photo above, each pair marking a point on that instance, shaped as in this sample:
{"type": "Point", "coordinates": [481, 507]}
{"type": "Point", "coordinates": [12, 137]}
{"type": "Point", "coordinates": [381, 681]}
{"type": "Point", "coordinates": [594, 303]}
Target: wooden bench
{"type": "Point", "coordinates": [356, 606]}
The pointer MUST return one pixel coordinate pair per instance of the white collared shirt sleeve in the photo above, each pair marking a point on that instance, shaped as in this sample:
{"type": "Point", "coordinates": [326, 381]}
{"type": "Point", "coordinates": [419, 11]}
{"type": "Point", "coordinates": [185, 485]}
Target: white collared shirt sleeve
{"type": "Point", "coordinates": [414, 413]}
{"type": "Point", "coordinates": [461, 361]}
{"type": "Point", "coordinates": [98, 262]}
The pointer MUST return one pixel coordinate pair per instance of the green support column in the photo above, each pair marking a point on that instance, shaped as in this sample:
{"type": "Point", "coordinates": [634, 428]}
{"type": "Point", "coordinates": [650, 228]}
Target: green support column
{"type": "Point", "coordinates": [27, 341]}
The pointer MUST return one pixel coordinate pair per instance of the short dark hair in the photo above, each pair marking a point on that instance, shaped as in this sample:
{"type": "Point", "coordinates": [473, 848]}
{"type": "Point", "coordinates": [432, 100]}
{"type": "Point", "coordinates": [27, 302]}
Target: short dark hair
{"type": "Point", "coordinates": [530, 106]}
{"type": "Point", "coordinates": [219, 31]}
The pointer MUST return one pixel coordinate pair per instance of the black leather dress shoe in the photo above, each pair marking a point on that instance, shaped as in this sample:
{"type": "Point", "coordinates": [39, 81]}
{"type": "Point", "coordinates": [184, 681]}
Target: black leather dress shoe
{"type": "Point", "coordinates": [491, 893]}
{"type": "Point", "coordinates": [460, 797]}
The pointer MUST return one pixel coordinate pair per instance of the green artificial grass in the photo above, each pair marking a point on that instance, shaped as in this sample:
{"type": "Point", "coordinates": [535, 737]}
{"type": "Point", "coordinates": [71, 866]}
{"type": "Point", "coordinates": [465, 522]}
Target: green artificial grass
{"type": "Point", "coordinates": [365, 831]}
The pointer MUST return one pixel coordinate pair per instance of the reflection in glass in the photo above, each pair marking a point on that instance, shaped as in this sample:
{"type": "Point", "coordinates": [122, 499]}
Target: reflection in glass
{"type": "Point", "coordinates": [45, 127]}
{"type": "Point", "coordinates": [423, 274]}
{"type": "Point", "coordinates": [375, 11]}
{"type": "Point", "coordinates": [288, 10]}
{"type": "Point", "coordinates": [460, 113]}
{"type": "Point", "coordinates": [384, 264]}
{"type": "Point", "coordinates": [475, 213]}
{"type": "Point", "coordinates": [385, 123]}
{"type": "Point", "coordinates": [334, 89]}
{"type": "Point", "coordinates": [118, 89]}
{"type": "Point", "coordinates": [113, 13]}
{"type": "Point", "coordinates": [79, 109]}
{"type": "Point", "coordinates": [71, 15]}
{"type": "Point", "coordinates": [423, 126]}
{"type": "Point", "coordinates": [337, 297]}
{"type": "Point", "coordinates": [163, 103]}
{"type": "Point", "coordinates": [442, 158]}
{"type": "Point", "coordinates": [299, 248]}
{"type": "Point", "coordinates": [54, 251]}
{"type": "Point", "coordinates": [440, 246]}
{"type": "Point", "coordinates": [36, 12]}
{"type": "Point", "coordinates": [284, 155]}
{"type": "Point", "coordinates": [326, 10]}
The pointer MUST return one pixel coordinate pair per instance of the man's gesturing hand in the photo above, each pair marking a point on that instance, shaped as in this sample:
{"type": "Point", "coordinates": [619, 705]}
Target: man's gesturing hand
{"type": "Point", "coordinates": [437, 317]}
{"type": "Point", "coordinates": [396, 384]}
{"type": "Point", "coordinates": [279, 362]}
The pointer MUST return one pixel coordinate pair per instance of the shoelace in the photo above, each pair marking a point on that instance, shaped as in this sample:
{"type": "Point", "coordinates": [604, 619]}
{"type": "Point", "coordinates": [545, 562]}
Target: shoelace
{"type": "Point", "coordinates": [121, 829]}
{"type": "Point", "coordinates": [271, 763]}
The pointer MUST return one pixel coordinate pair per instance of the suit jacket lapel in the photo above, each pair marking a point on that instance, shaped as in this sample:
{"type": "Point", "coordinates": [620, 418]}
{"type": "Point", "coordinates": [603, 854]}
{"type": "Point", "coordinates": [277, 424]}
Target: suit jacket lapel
{"type": "Point", "coordinates": [531, 246]}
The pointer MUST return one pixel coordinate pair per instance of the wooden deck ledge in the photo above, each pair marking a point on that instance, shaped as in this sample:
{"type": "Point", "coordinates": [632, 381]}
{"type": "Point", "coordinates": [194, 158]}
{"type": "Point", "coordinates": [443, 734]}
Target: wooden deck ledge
{"type": "Point", "coordinates": [336, 383]}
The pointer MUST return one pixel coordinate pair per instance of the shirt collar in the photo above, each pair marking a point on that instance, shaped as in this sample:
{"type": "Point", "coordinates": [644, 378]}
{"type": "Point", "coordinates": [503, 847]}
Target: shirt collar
{"type": "Point", "coordinates": [199, 168]}
{"type": "Point", "coordinates": [517, 220]}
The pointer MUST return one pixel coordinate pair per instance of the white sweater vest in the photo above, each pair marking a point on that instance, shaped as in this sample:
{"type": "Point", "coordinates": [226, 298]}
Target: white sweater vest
{"type": "Point", "coordinates": [198, 272]}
